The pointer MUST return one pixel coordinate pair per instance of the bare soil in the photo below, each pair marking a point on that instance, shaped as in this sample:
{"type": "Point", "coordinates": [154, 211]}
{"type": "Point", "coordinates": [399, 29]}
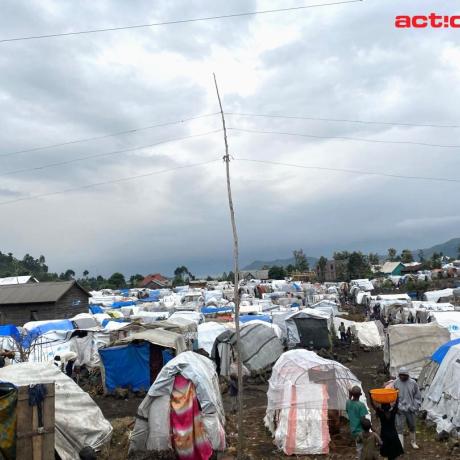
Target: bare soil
{"type": "Point", "coordinates": [366, 365]}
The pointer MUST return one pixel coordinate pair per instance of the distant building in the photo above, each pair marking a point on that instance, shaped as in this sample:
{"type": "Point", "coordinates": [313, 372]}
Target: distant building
{"type": "Point", "coordinates": [392, 268]}
{"type": "Point", "coordinates": [254, 275]}
{"type": "Point", "coordinates": [21, 303]}
{"type": "Point", "coordinates": [304, 277]}
{"type": "Point", "coordinates": [333, 270]}
{"type": "Point", "coordinates": [198, 284]}
{"type": "Point", "coordinates": [17, 280]}
{"type": "Point", "coordinates": [412, 267]}
{"type": "Point", "coordinates": [155, 281]}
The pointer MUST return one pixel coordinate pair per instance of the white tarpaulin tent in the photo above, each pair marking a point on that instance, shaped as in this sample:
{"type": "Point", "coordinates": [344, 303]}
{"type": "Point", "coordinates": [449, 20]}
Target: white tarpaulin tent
{"type": "Point", "coordinates": [79, 421]}
{"type": "Point", "coordinates": [367, 332]}
{"type": "Point", "coordinates": [442, 398]}
{"type": "Point", "coordinates": [435, 296]}
{"type": "Point", "coordinates": [302, 389]}
{"type": "Point", "coordinates": [448, 319]}
{"type": "Point", "coordinates": [409, 345]}
{"type": "Point", "coordinates": [152, 430]}
{"type": "Point", "coordinates": [207, 334]}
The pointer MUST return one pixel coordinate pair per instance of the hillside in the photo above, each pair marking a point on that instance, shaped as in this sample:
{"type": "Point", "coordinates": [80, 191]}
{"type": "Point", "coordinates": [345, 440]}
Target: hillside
{"type": "Point", "coordinates": [449, 248]}
{"type": "Point", "coordinates": [258, 264]}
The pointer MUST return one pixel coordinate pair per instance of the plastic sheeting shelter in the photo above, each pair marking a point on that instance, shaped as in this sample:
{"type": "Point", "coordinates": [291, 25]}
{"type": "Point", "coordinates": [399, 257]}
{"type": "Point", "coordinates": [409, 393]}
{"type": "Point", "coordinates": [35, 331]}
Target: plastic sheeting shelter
{"type": "Point", "coordinates": [207, 334]}
{"type": "Point", "coordinates": [135, 361]}
{"type": "Point", "coordinates": [79, 421]}
{"type": "Point", "coordinates": [442, 398]}
{"type": "Point", "coordinates": [410, 345]}
{"type": "Point", "coordinates": [368, 333]}
{"type": "Point", "coordinates": [303, 390]}
{"type": "Point", "coordinates": [152, 430]}
{"type": "Point", "coordinates": [309, 328]}
{"type": "Point", "coordinates": [260, 347]}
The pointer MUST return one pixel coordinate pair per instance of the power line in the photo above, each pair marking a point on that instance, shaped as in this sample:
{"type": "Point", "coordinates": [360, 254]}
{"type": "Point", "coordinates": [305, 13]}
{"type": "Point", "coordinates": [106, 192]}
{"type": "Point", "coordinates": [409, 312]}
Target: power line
{"type": "Point", "coordinates": [356, 139]}
{"type": "Point", "coordinates": [114, 181]}
{"type": "Point", "coordinates": [350, 171]}
{"type": "Point", "coordinates": [342, 120]}
{"type": "Point", "coordinates": [99, 155]}
{"type": "Point", "coordinates": [105, 136]}
{"type": "Point", "coordinates": [177, 21]}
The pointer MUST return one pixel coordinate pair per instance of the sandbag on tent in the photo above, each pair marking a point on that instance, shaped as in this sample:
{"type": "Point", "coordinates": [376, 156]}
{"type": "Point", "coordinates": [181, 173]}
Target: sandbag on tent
{"type": "Point", "coordinates": [442, 398]}
{"type": "Point", "coordinates": [79, 421]}
{"type": "Point", "coordinates": [260, 347]}
{"type": "Point", "coordinates": [309, 328]}
{"type": "Point", "coordinates": [410, 345]}
{"type": "Point", "coordinates": [152, 430]}
{"type": "Point", "coordinates": [368, 333]}
{"type": "Point", "coordinates": [306, 392]}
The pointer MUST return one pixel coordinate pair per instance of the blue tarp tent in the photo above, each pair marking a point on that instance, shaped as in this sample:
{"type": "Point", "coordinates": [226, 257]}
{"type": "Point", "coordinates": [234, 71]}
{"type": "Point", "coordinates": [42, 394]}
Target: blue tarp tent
{"type": "Point", "coordinates": [127, 366]}
{"type": "Point", "coordinates": [62, 325]}
{"type": "Point", "coordinates": [441, 352]}
{"type": "Point", "coordinates": [154, 296]}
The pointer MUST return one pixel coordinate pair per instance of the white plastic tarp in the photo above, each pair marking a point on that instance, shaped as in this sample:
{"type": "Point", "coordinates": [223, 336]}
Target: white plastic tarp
{"type": "Point", "coordinates": [366, 332]}
{"type": "Point", "coordinates": [434, 296]}
{"type": "Point", "coordinates": [410, 345]}
{"type": "Point", "coordinates": [448, 319]}
{"type": "Point", "coordinates": [442, 398]}
{"type": "Point", "coordinates": [207, 334]}
{"type": "Point", "coordinates": [302, 388]}
{"type": "Point", "coordinates": [79, 421]}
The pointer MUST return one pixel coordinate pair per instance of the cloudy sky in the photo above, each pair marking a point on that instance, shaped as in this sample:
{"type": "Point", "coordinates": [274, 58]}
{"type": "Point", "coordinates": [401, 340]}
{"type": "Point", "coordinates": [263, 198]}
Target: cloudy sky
{"type": "Point", "coordinates": [344, 62]}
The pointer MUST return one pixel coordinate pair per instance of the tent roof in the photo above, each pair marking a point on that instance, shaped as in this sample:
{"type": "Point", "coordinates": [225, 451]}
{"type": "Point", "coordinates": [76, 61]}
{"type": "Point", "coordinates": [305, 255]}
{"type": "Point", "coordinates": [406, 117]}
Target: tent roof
{"type": "Point", "coordinates": [441, 352]}
{"type": "Point", "coordinates": [36, 292]}
{"type": "Point", "coordinates": [161, 337]}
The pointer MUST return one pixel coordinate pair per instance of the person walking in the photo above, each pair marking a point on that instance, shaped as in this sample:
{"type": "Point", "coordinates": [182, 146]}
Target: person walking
{"type": "Point", "coordinates": [356, 410]}
{"type": "Point", "coordinates": [410, 401]}
{"type": "Point", "coordinates": [233, 392]}
{"type": "Point", "coordinates": [391, 446]}
{"type": "Point", "coordinates": [342, 330]}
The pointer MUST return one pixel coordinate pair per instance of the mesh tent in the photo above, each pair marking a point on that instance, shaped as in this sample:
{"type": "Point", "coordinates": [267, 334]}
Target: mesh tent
{"type": "Point", "coordinates": [304, 393]}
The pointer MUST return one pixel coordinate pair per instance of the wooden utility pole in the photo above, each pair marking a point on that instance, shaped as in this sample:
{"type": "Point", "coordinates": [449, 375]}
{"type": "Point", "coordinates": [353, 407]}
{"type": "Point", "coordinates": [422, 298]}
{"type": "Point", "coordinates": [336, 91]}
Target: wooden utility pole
{"type": "Point", "coordinates": [236, 279]}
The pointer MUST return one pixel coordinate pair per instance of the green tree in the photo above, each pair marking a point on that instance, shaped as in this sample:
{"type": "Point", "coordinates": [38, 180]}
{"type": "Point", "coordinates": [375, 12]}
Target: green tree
{"type": "Point", "coordinates": [209, 278]}
{"type": "Point", "coordinates": [85, 273]}
{"type": "Point", "coordinates": [421, 256]}
{"type": "Point", "coordinates": [435, 261]}
{"type": "Point", "coordinates": [290, 269]}
{"type": "Point", "coordinates": [67, 275]}
{"type": "Point", "coordinates": [182, 275]}
{"type": "Point", "coordinates": [300, 260]}
{"type": "Point", "coordinates": [134, 280]}
{"type": "Point", "coordinates": [392, 254]}
{"type": "Point", "coordinates": [277, 273]}
{"type": "Point", "coordinates": [358, 266]}
{"type": "Point", "coordinates": [322, 262]}
{"type": "Point", "coordinates": [406, 256]}
{"type": "Point", "coordinates": [231, 277]}
{"type": "Point", "coordinates": [117, 281]}
{"type": "Point", "coordinates": [374, 258]}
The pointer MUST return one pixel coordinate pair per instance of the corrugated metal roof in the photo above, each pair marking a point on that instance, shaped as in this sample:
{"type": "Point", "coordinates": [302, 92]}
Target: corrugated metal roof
{"type": "Point", "coordinates": [17, 280]}
{"type": "Point", "coordinates": [35, 292]}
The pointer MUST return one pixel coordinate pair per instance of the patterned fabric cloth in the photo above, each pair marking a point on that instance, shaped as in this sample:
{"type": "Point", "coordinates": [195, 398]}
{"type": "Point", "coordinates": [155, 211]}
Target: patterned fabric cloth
{"type": "Point", "coordinates": [8, 403]}
{"type": "Point", "coordinates": [189, 438]}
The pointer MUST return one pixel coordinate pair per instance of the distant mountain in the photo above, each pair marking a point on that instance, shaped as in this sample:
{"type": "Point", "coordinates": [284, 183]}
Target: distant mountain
{"type": "Point", "coordinates": [449, 248]}
{"type": "Point", "coordinates": [258, 264]}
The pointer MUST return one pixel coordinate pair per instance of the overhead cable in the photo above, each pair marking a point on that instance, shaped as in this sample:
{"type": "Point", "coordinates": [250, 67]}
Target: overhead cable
{"type": "Point", "coordinates": [177, 21]}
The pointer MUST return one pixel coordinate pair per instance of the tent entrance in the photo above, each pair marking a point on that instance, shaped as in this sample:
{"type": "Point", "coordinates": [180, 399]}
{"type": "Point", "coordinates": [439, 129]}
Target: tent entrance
{"type": "Point", "coordinates": [312, 333]}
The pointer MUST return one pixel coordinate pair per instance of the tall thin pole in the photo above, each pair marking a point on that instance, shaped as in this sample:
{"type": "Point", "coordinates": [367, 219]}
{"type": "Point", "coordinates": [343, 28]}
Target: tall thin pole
{"type": "Point", "coordinates": [236, 279]}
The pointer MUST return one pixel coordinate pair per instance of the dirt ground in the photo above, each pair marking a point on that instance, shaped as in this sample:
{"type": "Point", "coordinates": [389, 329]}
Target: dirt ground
{"type": "Point", "coordinates": [367, 366]}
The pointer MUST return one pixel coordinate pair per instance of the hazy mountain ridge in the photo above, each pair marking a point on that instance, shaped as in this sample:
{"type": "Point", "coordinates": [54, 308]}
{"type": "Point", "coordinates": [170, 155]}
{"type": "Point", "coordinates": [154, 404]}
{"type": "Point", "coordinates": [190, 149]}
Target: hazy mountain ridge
{"type": "Point", "coordinates": [449, 248]}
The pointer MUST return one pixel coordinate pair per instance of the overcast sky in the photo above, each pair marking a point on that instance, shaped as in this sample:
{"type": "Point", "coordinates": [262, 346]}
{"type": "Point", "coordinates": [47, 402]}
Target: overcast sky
{"type": "Point", "coordinates": [341, 62]}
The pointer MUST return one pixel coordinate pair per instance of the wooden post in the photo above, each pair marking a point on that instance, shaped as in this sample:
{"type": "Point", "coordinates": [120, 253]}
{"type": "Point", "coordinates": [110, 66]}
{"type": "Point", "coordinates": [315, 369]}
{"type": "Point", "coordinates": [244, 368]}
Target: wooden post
{"type": "Point", "coordinates": [236, 293]}
{"type": "Point", "coordinates": [34, 442]}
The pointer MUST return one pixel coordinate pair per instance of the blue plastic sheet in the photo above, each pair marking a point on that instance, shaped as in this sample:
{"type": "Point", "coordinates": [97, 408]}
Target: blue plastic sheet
{"type": "Point", "coordinates": [246, 318]}
{"type": "Point", "coordinates": [441, 352]}
{"type": "Point", "coordinates": [96, 309]}
{"type": "Point", "coordinates": [127, 303]}
{"type": "Point", "coordinates": [127, 366]}
{"type": "Point", "coordinates": [63, 325]}
{"type": "Point", "coordinates": [214, 310]}
{"type": "Point", "coordinates": [10, 330]}
{"type": "Point", "coordinates": [116, 320]}
{"type": "Point", "coordinates": [167, 356]}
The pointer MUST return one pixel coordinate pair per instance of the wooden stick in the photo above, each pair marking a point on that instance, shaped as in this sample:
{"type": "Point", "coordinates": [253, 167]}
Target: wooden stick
{"type": "Point", "coordinates": [236, 279]}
